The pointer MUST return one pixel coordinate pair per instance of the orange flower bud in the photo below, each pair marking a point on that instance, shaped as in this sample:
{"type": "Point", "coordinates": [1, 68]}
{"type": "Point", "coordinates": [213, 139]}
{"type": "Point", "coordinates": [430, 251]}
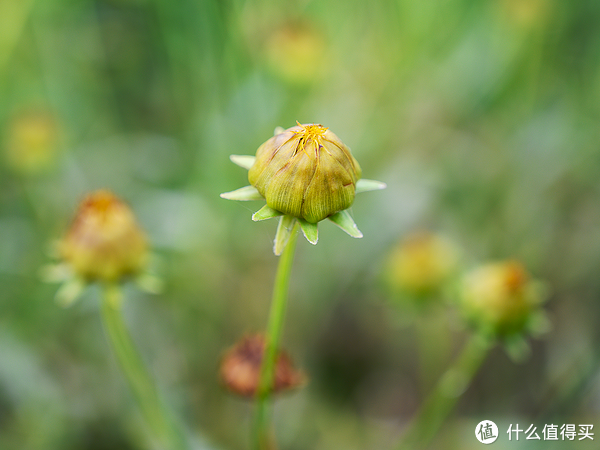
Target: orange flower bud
{"type": "Point", "coordinates": [104, 242]}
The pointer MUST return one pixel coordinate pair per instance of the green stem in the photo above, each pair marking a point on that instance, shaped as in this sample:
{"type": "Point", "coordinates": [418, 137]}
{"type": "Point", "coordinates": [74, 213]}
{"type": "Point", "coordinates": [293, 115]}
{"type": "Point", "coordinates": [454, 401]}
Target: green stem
{"type": "Point", "coordinates": [261, 436]}
{"type": "Point", "coordinates": [446, 393]}
{"type": "Point", "coordinates": [433, 346]}
{"type": "Point", "coordinates": [135, 372]}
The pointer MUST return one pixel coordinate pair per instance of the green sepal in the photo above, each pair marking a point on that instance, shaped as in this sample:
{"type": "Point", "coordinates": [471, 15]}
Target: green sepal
{"type": "Point", "coordinates": [55, 273]}
{"type": "Point", "coordinates": [149, 283]}
{"type": "Point", "coordinates": [243, 194]}
{"type": "Point", "coordinates": [266, 212]}
{"type": "Point", "coordinates": [284, 231]}
{"type": "Point", "coordinates": [343, 220]}
{"type": "Point", "coordinates": [538, 323]}
{"type": "Point", "coordinates": [310, 230]}
{"type": "Point", "coordinates": [70, 291]}
{"type": "Point", "coordinates": [364, 185]}
{"type": "Point", "coordinates": [517, 347]}
{"type": "Point", "coordinates": [245, 161]}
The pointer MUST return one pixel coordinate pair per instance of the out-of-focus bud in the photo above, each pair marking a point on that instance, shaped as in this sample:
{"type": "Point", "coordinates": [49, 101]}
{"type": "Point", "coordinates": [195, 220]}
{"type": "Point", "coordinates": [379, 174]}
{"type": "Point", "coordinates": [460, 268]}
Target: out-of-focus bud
{"type": "Point", "coordinates": [501, 297]}
{"type": "Point", "coordinates": [32, 142]}
{"type": "Point", "coordinates": [527, 13]}
{"type": "Point", "coordinates": [104, 241]}
{"type": "Point", "coordinates": [295, 52]}
{"type": "Point", "coordinates": [307, 172]}
{"type": "Point", "coordinates": [241, 366]}
{"type": "Point", "coordinates": [421, 263]}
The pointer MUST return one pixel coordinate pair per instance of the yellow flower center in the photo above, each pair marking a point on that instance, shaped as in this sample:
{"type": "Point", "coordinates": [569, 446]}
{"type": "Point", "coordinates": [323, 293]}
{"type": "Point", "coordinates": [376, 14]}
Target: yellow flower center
{"type": "Point", "coordinates": [309, 133]}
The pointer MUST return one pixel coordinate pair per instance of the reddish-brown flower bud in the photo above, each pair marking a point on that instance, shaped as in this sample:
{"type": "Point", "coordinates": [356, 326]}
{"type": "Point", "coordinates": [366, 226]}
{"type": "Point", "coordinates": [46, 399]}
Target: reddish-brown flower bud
{"type": "Point", "coordinates": [241, 366]}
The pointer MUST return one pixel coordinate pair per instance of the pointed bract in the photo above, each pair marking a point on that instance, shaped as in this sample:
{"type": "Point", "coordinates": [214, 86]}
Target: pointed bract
{"type": "Point", "coordinates": [364, 185]}
{"type": "Point", "coordinates": [244, 194]}
{"type": "Point", "coordinates": [284, 231]}
{"type": "Point", "coordinates": [346, 223]}
{"type": "Point", "coordinates": [70, 291]}
{"type": "Point", "coordinates": [245, 161]}
{"type": "Point", "coordinates": [310, 231]}
{"type": "Point", "coordinates": [149, 283]}
{"type": "Point", "coordinates": [266, 212]}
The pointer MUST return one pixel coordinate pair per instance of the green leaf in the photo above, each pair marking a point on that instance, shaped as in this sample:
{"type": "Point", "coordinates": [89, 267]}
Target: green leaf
{"type": "Point", "coordinates": [284, 231]}
{"type": "Point", "coordinates": [245, 161]}
{"type": "Point", "coordinates": [343, 220]}
{"type": "Point", "coordinates": [243, 194]}
{"type": "Point", "coordinates": [266, 212]}
{"type": "Point", "coordinates": [364, 185]}
{"type": "Point", "coordinates": [310, 230]}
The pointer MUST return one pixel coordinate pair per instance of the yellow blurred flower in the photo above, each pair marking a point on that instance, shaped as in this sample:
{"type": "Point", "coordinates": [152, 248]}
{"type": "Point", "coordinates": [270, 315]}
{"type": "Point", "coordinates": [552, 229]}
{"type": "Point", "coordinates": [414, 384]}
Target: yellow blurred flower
{"type": "Point", "coordinates": [104, 242]}
{"type": "Point", "coordinates": [421, 263]}
{"type": "Point", "coordinates": [31, 144]}
{"type": "Point", "coordinates": [501, 297]}
{"type": "Point", "coordinates": [295, 52]}
{"type": "Point", "coordinates": [526, 13]}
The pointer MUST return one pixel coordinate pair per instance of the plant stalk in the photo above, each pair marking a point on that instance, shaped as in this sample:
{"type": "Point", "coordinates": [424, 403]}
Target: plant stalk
{"type": "Point", "coordinates": [262, 437]}
{"type": "Point", "coordinates": [140, 382]}
{"type": "Point", "coordinates": [446, 393]}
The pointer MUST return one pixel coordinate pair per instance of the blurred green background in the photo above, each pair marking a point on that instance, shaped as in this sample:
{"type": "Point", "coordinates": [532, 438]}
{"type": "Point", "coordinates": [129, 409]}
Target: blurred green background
{"type": "Point", "coordinates": [481, 116]}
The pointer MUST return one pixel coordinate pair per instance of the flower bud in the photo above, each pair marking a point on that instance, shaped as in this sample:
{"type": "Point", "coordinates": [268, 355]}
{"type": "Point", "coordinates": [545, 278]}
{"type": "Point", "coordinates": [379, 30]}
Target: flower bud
{"type": "Point", "coordinates": [500, 297]}
{"type": "Point", "coordinates": [307, 172]}
{"type": "Point", "coordinates": [32, 142]}
{"type": "Point", "coordinates": [241, 366]}
{"type": "Point", "coordinates": [295, 52]}
{"type": "Point", "coordinates": [421, 263]}
{"type": "Point", "coordinates": [104, 242]}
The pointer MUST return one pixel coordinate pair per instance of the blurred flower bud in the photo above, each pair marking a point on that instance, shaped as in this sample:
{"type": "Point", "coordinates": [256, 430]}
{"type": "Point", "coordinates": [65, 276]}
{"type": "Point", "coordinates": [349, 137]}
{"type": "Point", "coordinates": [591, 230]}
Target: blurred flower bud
{"type": "Point", "coordinates": [295, 52]}
{"type": "Point", "coordinates": [241, 366]}
{"type": "Point", "coordinates": [32, 142]}
{"type": "Point", "coordinates": [527, 13]}
{"type": "Point", "coordinates": [421, 263]}
{"type": "Point", "coordinates": [500, 297]}
{"type": "Point", "coordinates": [104, 242]}
{"type": "Point", "coordinates": [307, 172]}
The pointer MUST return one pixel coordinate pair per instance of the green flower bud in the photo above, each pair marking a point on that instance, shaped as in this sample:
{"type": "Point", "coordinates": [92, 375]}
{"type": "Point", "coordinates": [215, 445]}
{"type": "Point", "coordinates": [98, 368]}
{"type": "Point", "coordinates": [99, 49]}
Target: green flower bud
{"type": "Point", "coordinates": [307, 172]}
